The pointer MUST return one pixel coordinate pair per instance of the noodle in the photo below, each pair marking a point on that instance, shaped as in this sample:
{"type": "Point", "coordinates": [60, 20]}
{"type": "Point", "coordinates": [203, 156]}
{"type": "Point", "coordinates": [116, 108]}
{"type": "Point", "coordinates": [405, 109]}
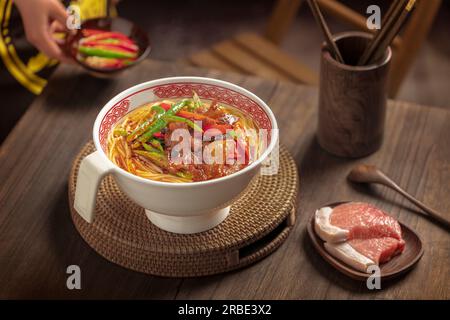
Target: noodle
{"type": "Point", "coordinates": [140, 142]}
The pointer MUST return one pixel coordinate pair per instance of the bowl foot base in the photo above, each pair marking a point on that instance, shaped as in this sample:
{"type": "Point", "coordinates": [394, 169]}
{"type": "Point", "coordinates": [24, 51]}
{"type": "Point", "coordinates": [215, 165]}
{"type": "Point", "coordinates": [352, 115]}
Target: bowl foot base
{"type": "Point", "coordinates": [187, 225]}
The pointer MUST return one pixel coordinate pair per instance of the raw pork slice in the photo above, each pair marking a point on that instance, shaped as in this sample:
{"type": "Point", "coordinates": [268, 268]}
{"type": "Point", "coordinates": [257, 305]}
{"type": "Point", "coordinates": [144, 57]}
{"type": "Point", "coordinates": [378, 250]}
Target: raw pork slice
{"type": "Point", "coordinates": [355, 220]}
{"type": "Point", "coordinates": [359, 234]}
{"type": "Point", "coordinates": [362, 253]}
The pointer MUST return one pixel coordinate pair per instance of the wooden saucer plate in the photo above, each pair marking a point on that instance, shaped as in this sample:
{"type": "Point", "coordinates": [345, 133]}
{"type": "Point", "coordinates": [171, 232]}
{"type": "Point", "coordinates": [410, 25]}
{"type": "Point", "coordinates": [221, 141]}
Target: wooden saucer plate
{"type": "Point", "coordinates": [397, 266]}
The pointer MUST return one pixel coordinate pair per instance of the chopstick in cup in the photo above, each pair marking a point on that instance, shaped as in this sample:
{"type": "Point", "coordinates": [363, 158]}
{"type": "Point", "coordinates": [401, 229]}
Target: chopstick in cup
{"type": "Point", "coordinates": [326, 31]}
{"type": "Point", "coordinates": [390, 11]}
{"type": "Point", "coordinates": [393, 21]}
{"type": "Point", "coordinates": [388, 21]}
{"type": "Point", "coordinates": [392, 33]}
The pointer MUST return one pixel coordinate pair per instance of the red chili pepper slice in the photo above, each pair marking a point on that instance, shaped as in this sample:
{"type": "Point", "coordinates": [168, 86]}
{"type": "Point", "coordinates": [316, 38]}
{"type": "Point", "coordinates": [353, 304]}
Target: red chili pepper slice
{"type": "Point", "coordinates": [165, 106]}
{"type": "Point", "coordinates": [158, 135]}
{"type": "Point", "coordinates": [221, 127]}
{"type": "Point", "coordinates": [106, 35]}
{"type": "Point", "coordinates": [120, 46]}
{"type": "Point", "coordinates": [90, 32]}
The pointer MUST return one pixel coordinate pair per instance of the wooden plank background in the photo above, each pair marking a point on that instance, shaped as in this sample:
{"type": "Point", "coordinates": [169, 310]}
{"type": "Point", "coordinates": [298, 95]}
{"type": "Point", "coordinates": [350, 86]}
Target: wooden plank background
{"type": "Point", "coordinates": [38, 240]}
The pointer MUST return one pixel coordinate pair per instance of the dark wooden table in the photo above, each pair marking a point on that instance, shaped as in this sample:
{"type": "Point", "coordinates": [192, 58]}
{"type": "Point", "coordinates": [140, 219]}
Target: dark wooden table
{"type": "Point", "coordinates": [38, 240]}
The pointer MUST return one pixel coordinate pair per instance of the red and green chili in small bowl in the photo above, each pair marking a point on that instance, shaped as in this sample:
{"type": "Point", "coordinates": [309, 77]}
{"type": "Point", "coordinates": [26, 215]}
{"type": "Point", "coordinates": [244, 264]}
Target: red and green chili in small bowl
{"type": "Point", "coordinates": [107, 45]}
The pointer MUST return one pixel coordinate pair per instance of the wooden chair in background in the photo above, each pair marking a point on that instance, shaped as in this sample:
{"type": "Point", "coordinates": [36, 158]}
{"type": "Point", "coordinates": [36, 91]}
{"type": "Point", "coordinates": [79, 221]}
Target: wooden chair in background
{"type": "Point", "coordinates": [260, 55]}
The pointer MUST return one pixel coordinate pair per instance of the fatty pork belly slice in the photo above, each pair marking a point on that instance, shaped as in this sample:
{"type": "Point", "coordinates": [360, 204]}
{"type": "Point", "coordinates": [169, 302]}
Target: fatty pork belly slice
{"type": "Point", "coordinates": [355, 220]}
{"type": "Point", "coordinates": [362, 253]}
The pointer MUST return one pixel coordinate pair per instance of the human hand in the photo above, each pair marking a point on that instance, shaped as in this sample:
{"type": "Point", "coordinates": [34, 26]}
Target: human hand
{"type": "Point", "coordinates": [41, 18]}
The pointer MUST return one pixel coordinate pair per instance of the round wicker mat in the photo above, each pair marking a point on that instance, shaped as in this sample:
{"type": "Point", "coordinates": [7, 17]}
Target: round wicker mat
{"type": "Point", "coordinates": [259, 221]}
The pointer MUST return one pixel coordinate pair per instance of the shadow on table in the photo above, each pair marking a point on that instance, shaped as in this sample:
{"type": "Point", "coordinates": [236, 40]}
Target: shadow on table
{"type": "Point", "coordinates": [77, 90]}
{"type": "Point", "coordinates": [315, 163]}
{"type": "Point", "coordinates": [100, 278]}
{"type": "Point", "coordinates": [322, 176]}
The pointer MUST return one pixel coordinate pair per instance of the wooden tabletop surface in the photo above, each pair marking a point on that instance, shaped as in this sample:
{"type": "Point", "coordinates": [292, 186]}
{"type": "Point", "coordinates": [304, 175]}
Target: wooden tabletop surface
{"type": "Point", "coordinates": [38, 240]}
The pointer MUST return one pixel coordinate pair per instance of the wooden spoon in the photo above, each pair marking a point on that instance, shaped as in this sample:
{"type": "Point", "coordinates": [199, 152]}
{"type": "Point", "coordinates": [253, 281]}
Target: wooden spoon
{"type": "Point", "coordinates": [364, 173]}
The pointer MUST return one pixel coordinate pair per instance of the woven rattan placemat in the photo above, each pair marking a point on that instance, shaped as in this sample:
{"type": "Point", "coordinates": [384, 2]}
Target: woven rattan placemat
{"type": "Point", "coordinates": [259, 221]}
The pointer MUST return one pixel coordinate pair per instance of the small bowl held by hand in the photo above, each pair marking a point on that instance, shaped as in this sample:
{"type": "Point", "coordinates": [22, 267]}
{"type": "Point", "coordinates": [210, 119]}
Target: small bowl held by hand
{"type": "Point", "coordinates": [126, 27]}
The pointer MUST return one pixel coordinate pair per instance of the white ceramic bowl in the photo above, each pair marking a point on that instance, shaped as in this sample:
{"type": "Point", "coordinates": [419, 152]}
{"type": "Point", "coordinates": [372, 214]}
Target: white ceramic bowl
{"type": "Point", "coordinates": [175, 207]}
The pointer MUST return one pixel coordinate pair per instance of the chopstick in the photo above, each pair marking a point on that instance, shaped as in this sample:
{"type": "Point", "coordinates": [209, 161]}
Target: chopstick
{"type": "Point", "coordinates": [391, 15]}
{"type": "Point", "coordinates": [393, 32]}
{"type": "Point", "coordinates": [390, 11]}
{"type": "Point", "coordinates": [326, 31]}
{"type": "Point", "coordinates": [397, 15]}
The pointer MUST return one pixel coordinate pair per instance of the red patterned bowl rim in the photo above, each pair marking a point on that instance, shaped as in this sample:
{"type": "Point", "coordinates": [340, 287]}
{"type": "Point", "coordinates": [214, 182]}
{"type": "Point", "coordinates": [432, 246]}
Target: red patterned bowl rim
{"type": "Point", "coordinates": [184, 90]}
{"type": "Point", "coordinates": [164, 88]}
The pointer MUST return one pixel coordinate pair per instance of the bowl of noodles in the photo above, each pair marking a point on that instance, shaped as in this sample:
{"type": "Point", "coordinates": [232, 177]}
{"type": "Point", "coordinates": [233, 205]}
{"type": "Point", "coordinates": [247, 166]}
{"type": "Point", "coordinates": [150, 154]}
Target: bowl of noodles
{"type": "Point", "coordinates": [183, 148]}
